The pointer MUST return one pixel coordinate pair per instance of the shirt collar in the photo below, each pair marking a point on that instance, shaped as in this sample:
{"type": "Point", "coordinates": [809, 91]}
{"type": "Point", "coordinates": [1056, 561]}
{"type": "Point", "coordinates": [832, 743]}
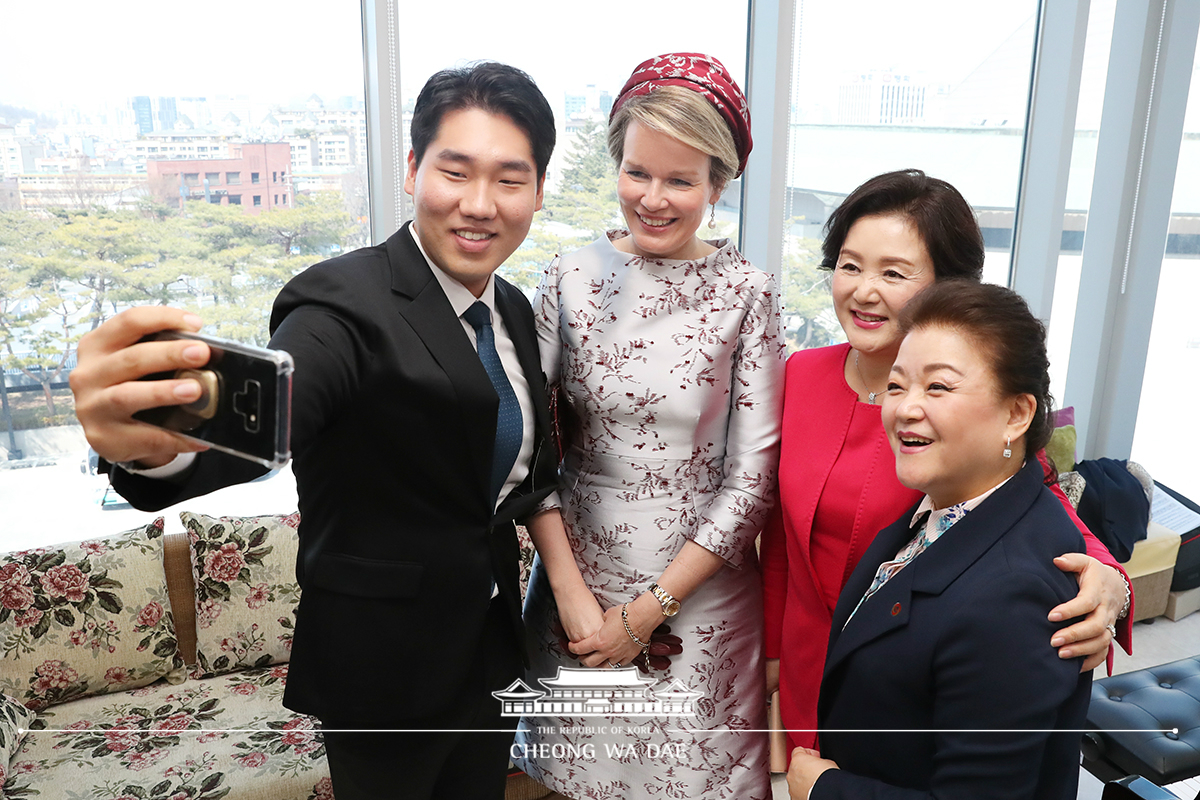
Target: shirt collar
{"type": "Point", "coordinates": [953, 513]}
{"type": "Point", "coordinates": [460, 297]}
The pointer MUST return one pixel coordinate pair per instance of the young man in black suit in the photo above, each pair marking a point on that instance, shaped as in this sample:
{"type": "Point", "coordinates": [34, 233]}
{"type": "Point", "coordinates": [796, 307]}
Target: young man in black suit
{"type": "Point", "coordinates": [408, 487]}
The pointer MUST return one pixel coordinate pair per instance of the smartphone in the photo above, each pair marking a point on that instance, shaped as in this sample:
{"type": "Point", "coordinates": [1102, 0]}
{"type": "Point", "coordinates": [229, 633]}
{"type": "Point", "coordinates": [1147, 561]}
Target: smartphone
{"type": "Point", "coordinates": [245, 402]}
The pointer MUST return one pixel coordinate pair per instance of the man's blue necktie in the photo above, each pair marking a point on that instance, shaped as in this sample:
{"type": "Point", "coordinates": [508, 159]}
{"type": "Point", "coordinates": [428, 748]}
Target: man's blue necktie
{"type": "Point", "coordinates": [509, 428]}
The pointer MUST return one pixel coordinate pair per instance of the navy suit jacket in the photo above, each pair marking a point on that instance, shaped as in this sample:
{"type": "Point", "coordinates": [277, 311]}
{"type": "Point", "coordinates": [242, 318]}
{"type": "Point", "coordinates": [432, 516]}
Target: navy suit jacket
{"type": "Point", "coordinates": [393, 424]}
{"type": "Point", "coordinates": [955, 649]}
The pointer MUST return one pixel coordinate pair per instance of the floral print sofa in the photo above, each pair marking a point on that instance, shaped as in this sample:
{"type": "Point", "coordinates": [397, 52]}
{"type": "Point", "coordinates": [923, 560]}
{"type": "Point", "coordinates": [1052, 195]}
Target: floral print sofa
{"type": "Point", "coordinates": [143, 666]}
{"type": "Point", "coordinates": [151, 666]}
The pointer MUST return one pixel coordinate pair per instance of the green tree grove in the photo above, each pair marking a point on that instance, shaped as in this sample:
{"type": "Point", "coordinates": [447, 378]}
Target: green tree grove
{"type": "Point", "coordinates": [64, 272]}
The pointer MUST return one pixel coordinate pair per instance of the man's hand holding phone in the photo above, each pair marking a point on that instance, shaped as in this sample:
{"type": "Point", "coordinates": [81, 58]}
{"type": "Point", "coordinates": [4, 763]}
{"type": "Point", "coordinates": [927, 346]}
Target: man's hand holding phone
{"type": "Point", "coordinates": [108, 387]}
{"type": "Point", "coordinates": [149, 366]}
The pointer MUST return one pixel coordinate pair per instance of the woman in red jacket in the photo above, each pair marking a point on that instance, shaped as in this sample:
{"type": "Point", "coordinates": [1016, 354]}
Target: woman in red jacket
{"type": "Point", "coordinates": [893, 236]}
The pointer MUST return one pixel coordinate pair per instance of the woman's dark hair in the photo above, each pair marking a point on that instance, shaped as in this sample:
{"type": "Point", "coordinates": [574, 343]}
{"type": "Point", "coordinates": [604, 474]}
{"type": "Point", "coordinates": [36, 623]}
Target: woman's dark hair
{"type": "Point", "coordinates": [998, 321]}
{"type": "Point", "coordinates": [944, 221]}
{"type": "Point", "coordinates": [492, 87]}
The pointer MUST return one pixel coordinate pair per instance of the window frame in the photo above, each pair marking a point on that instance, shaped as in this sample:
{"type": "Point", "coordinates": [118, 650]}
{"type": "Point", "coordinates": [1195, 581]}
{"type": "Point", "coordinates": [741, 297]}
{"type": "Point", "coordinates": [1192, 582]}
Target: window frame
{"type": "Point", "coordinates": [1112, 322]}
{"type": "Point", "coordinates": [1137, 156]}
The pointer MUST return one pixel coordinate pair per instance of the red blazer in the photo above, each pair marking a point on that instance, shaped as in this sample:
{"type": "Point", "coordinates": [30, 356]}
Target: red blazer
{"type": "Point", "coordinates": [817, 410]}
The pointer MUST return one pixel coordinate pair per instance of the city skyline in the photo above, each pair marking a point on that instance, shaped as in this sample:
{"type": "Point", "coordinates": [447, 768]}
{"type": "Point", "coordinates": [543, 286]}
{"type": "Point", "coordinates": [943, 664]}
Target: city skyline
{"type": "Point", "coordinates": [118, 48]}
{"type": "Point", "coordinates": [941, 44]}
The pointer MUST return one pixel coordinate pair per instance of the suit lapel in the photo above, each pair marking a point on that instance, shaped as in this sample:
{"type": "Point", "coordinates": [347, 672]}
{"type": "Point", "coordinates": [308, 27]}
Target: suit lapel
{"type": "Point", "coordinates": [423, 304]}
{"type": "Point", "coordinates": [520, 331]}
{"type": "Point", "coordinates": [979, 530]}
{"type": "Point", "coordinates": [875, 617]}
{"type": "Point", "coordinates": [826, 439]}
{"type": "Point", "coordinates": [525, 341]}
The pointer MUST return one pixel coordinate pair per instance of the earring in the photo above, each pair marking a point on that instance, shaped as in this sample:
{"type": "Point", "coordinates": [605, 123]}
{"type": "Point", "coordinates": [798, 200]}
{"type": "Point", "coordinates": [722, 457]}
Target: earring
{"type": "Point", "coordinates": [1008, 448]}
{"type": "Point", "coordinates": [712, 218]}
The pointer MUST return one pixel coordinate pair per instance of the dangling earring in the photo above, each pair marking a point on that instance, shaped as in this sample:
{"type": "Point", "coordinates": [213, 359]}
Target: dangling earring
{"type": "Point", "coordinates": [712, 218]}
{"type": "Point", "coordinates": [1008, 448]}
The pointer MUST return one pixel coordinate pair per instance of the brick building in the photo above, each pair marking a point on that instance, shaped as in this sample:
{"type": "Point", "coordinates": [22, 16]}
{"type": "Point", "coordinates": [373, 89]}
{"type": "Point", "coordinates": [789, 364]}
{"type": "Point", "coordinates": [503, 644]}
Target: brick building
{"type": "Point", "coordinates": [255, 176]}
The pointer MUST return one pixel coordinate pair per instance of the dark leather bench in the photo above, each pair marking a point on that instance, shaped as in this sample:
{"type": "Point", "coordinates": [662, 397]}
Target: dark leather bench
{"type": "Point", "coordinates": [1146, 723]}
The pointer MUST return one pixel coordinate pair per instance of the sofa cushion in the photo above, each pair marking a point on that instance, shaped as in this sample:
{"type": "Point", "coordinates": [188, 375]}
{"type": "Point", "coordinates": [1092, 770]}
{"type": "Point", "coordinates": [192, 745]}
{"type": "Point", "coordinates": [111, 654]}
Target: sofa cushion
{"type": "Point", "coordinates": [1061, 448]}
{"type": "Point", "coordinates": [14, 724]}
{"type": "Point", "coordinates": [246, 593]}
{"type": "Point", "coordinates": [224, 736]}
{"type": "Point", "coordinates": [86, 618]}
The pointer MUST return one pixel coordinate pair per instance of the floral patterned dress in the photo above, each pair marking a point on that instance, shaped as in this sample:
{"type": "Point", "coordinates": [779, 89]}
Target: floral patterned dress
{"type": "Point", "coordinates": [674, 370]}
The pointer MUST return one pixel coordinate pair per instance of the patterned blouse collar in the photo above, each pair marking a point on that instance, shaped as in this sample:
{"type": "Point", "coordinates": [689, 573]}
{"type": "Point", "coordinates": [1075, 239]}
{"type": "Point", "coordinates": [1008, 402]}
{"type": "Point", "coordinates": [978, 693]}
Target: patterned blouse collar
{"type": "Point", "coordinates": [613, 235]}
{"type": "Point", "coordinates": [950, 514]}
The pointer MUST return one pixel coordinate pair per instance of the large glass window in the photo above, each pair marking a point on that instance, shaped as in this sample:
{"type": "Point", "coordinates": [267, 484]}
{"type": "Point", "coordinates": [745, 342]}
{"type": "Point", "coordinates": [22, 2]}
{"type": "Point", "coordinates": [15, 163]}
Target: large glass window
{"type": "Point", "coordinates": [97, 167]}
{"type": "Point", "coordinates": [580, 74]}
{"type": "Point", "coordinates": [1167, 437]}
{"type": "Point", "coordinates": [1079, 189]}
{"type": "Point", "coordinates": [936, 85]}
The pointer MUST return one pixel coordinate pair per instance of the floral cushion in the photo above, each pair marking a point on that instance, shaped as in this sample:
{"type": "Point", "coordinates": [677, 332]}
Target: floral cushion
{"type": "Point", "coordinates": [246, 593]}
{"type": "Point", "coordinates": [86, 618]}
{"type": "Point", "coordinates": [14, 724]}
{"type": "Point", "coordinates": [202, 740]}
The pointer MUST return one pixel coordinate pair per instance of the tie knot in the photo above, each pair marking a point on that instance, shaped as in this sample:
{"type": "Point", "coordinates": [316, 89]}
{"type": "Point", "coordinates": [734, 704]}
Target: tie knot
{"type": "Point", "coordinates": [478, 315]}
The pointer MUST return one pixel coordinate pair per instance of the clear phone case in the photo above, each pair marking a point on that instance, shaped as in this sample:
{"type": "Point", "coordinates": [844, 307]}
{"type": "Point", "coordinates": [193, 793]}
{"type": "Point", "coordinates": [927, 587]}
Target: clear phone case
{"type": "Point", "coordinates": [246, 404]}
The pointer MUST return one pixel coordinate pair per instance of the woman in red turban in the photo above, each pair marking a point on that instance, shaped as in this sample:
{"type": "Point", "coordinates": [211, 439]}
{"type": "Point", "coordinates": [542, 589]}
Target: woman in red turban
{"type": "Point", "coordinates": [666, 350]}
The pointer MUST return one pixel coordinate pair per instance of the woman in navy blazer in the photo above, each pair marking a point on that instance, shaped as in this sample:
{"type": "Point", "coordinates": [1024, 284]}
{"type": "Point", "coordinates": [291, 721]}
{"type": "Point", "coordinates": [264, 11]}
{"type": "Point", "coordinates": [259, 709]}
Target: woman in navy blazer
{"type": "Point", "coordinates": [938, 682]}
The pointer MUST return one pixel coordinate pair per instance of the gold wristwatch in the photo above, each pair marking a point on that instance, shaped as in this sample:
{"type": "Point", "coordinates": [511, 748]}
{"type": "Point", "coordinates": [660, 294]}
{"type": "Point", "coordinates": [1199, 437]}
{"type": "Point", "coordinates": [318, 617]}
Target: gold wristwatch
{"type": "Point", "coordinates": [670, 606]}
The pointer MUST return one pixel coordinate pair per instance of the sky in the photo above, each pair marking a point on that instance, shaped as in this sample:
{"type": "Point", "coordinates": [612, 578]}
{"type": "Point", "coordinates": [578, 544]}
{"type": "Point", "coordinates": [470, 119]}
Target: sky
{"type": "Point", "coordinates": [81, 53]}
{"type": "Point", "coordinates": [89, 50]}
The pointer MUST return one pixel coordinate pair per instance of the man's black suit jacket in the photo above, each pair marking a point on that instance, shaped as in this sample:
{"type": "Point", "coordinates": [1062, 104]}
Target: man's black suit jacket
{"type": "Point", "coordinates": [393, 424]}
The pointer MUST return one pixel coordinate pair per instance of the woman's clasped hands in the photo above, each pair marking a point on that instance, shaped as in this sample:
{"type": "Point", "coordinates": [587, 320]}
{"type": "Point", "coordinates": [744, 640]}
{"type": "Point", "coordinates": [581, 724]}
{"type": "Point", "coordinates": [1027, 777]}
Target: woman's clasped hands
{"type": "Point", "coordinates": [600, 638]}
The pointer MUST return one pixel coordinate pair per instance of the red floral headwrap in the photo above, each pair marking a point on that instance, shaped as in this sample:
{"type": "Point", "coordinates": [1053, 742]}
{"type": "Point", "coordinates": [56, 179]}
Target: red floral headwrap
{"type": "Point", "coordinates": [700, 73]}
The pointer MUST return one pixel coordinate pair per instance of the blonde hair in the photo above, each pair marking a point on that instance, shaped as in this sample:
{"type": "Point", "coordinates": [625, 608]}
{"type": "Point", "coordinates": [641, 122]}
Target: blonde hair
{"type": "Point", "coordinates": [684, 115]}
